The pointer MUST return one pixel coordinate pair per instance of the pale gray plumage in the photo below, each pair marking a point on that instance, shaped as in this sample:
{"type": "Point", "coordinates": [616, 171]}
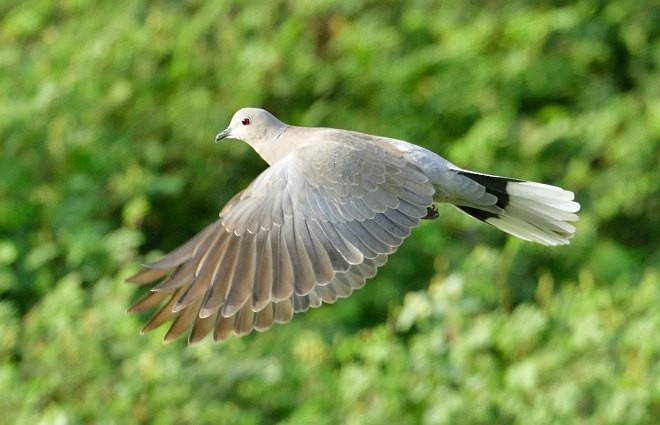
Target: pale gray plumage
{"type": "Point", "coordinates": [318, 223]}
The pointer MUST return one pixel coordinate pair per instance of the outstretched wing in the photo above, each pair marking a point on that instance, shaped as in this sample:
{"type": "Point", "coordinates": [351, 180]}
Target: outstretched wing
{"type": "Point", "coordinates": [310, 229]}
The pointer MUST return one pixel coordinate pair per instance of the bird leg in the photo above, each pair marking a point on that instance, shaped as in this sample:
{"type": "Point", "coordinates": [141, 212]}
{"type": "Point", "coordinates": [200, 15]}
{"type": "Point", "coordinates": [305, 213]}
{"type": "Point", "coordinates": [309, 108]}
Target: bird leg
{"type": "Point", "coordinates": [431, 213]}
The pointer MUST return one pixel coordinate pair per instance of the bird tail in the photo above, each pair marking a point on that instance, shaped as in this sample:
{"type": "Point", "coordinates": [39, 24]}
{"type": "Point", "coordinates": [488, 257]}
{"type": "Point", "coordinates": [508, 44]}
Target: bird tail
{"type": "Point", "coordinates": [531, 211]}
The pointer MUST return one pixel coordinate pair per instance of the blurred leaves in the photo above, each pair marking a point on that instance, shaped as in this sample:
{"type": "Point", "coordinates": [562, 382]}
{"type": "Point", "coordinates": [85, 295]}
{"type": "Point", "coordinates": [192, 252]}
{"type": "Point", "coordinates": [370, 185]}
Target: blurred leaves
{"type": "Point", "coordinates": [107, 117]}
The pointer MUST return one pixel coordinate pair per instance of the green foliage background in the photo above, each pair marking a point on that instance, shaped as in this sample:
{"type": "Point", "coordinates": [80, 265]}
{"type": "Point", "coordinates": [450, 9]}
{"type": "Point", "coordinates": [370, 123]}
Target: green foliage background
{"type": "Point", "coordinates": [108, 112]}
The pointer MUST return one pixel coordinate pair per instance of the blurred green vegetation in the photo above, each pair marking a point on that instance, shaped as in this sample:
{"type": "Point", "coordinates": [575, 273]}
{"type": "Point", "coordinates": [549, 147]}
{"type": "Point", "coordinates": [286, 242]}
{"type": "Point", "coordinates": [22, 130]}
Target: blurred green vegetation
{"type": "Point", "coordinates": [108, 112]}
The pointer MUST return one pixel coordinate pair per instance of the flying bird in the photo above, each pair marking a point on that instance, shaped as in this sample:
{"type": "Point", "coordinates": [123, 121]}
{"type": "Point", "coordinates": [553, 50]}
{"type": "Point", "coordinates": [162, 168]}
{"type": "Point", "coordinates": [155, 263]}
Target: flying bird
{"type": "Point", "coordinates": [320, 220]}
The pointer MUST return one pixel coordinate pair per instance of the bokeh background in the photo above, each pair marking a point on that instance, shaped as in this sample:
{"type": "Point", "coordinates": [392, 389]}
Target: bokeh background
{"type": "Point", "coordinates": [108, 111]}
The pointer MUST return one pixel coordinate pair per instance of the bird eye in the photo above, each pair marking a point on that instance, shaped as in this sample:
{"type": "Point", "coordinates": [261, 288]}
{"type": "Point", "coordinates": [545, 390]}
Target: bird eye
{"type": "Point", "coordinates": [245, 121]}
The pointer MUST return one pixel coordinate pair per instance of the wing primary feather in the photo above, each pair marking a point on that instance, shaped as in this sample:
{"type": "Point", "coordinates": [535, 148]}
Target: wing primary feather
{"type": "Point", "coordinates": [357, 281]}
{"type": "Point", "coordinates": [149, 300]}
{"type": "Point", "coordinates": [354, 281]}
{"type": "Point", "coordinates": [303, 270]}
{"type": "Point", "coordinates": [184, 274]}
{"type": "Point", "coordinates": [242, 278]}
{"type": "Point", "coordinates": [202, 327]}
{"type": "Point", "coordinates": [264, 318]}
{"type": "Point", "coordinates": [300, 303]}
{"type": "Point", "coordinates": [282, 311]}
{"type": "Point", "coordinates": [342, 285]}
{"type": "Point", "coordinates": [315, 300]}
{"type": "Point", "coordinates": [163, 315]}
{"type": "Point", "coordinates": [183, 321]}
{"type": "Point", "coordinates": [263, 279]}
{"type": "Point", "coordinates": [244, 322]}
{"type": "Point", "coordinates": [283, 277]}
{"type": "Point", "coordinates": [223, 327]}
{"type": "Point", "coordinates": [327, 293]}
{"type": "Point", "coordinates": [185, 251]}
{"type": "Point", "coordinates": [202, 277]}
{"type": "Point", "coordinates": [147, 275]}
{"type": "Point", "coordinates": [179, 278]}
{"type": "Point", "coordinates": [366, 270]}
{"type": "Point", "coordinates": [216, 294]}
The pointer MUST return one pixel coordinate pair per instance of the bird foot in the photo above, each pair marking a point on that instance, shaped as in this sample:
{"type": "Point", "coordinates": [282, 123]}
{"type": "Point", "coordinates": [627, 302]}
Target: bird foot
{"type": "Point", "coordinates": [431, 213]}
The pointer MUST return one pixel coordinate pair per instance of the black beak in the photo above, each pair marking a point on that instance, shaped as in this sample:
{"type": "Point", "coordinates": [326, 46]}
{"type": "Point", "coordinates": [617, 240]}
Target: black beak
{"type": "Point", "coordinates": [224, 133]}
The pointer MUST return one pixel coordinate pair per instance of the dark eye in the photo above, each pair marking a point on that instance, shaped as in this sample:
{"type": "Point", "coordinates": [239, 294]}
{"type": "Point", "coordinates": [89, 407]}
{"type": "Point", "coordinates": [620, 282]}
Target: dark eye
{"type": "Point", "coordinates": [245, 121]}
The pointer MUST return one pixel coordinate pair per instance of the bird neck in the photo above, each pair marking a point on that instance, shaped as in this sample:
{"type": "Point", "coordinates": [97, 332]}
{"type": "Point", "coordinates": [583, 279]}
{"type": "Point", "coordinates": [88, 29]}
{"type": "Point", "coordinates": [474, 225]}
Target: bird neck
{"type": "Point", "coordinates": [273, 146]}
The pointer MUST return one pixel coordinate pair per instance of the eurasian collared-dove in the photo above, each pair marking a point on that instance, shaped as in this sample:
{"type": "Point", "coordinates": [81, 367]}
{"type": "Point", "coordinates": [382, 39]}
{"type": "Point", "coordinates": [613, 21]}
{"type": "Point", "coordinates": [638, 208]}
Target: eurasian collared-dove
{"type": "Point", "coordinates": [317, 223]}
